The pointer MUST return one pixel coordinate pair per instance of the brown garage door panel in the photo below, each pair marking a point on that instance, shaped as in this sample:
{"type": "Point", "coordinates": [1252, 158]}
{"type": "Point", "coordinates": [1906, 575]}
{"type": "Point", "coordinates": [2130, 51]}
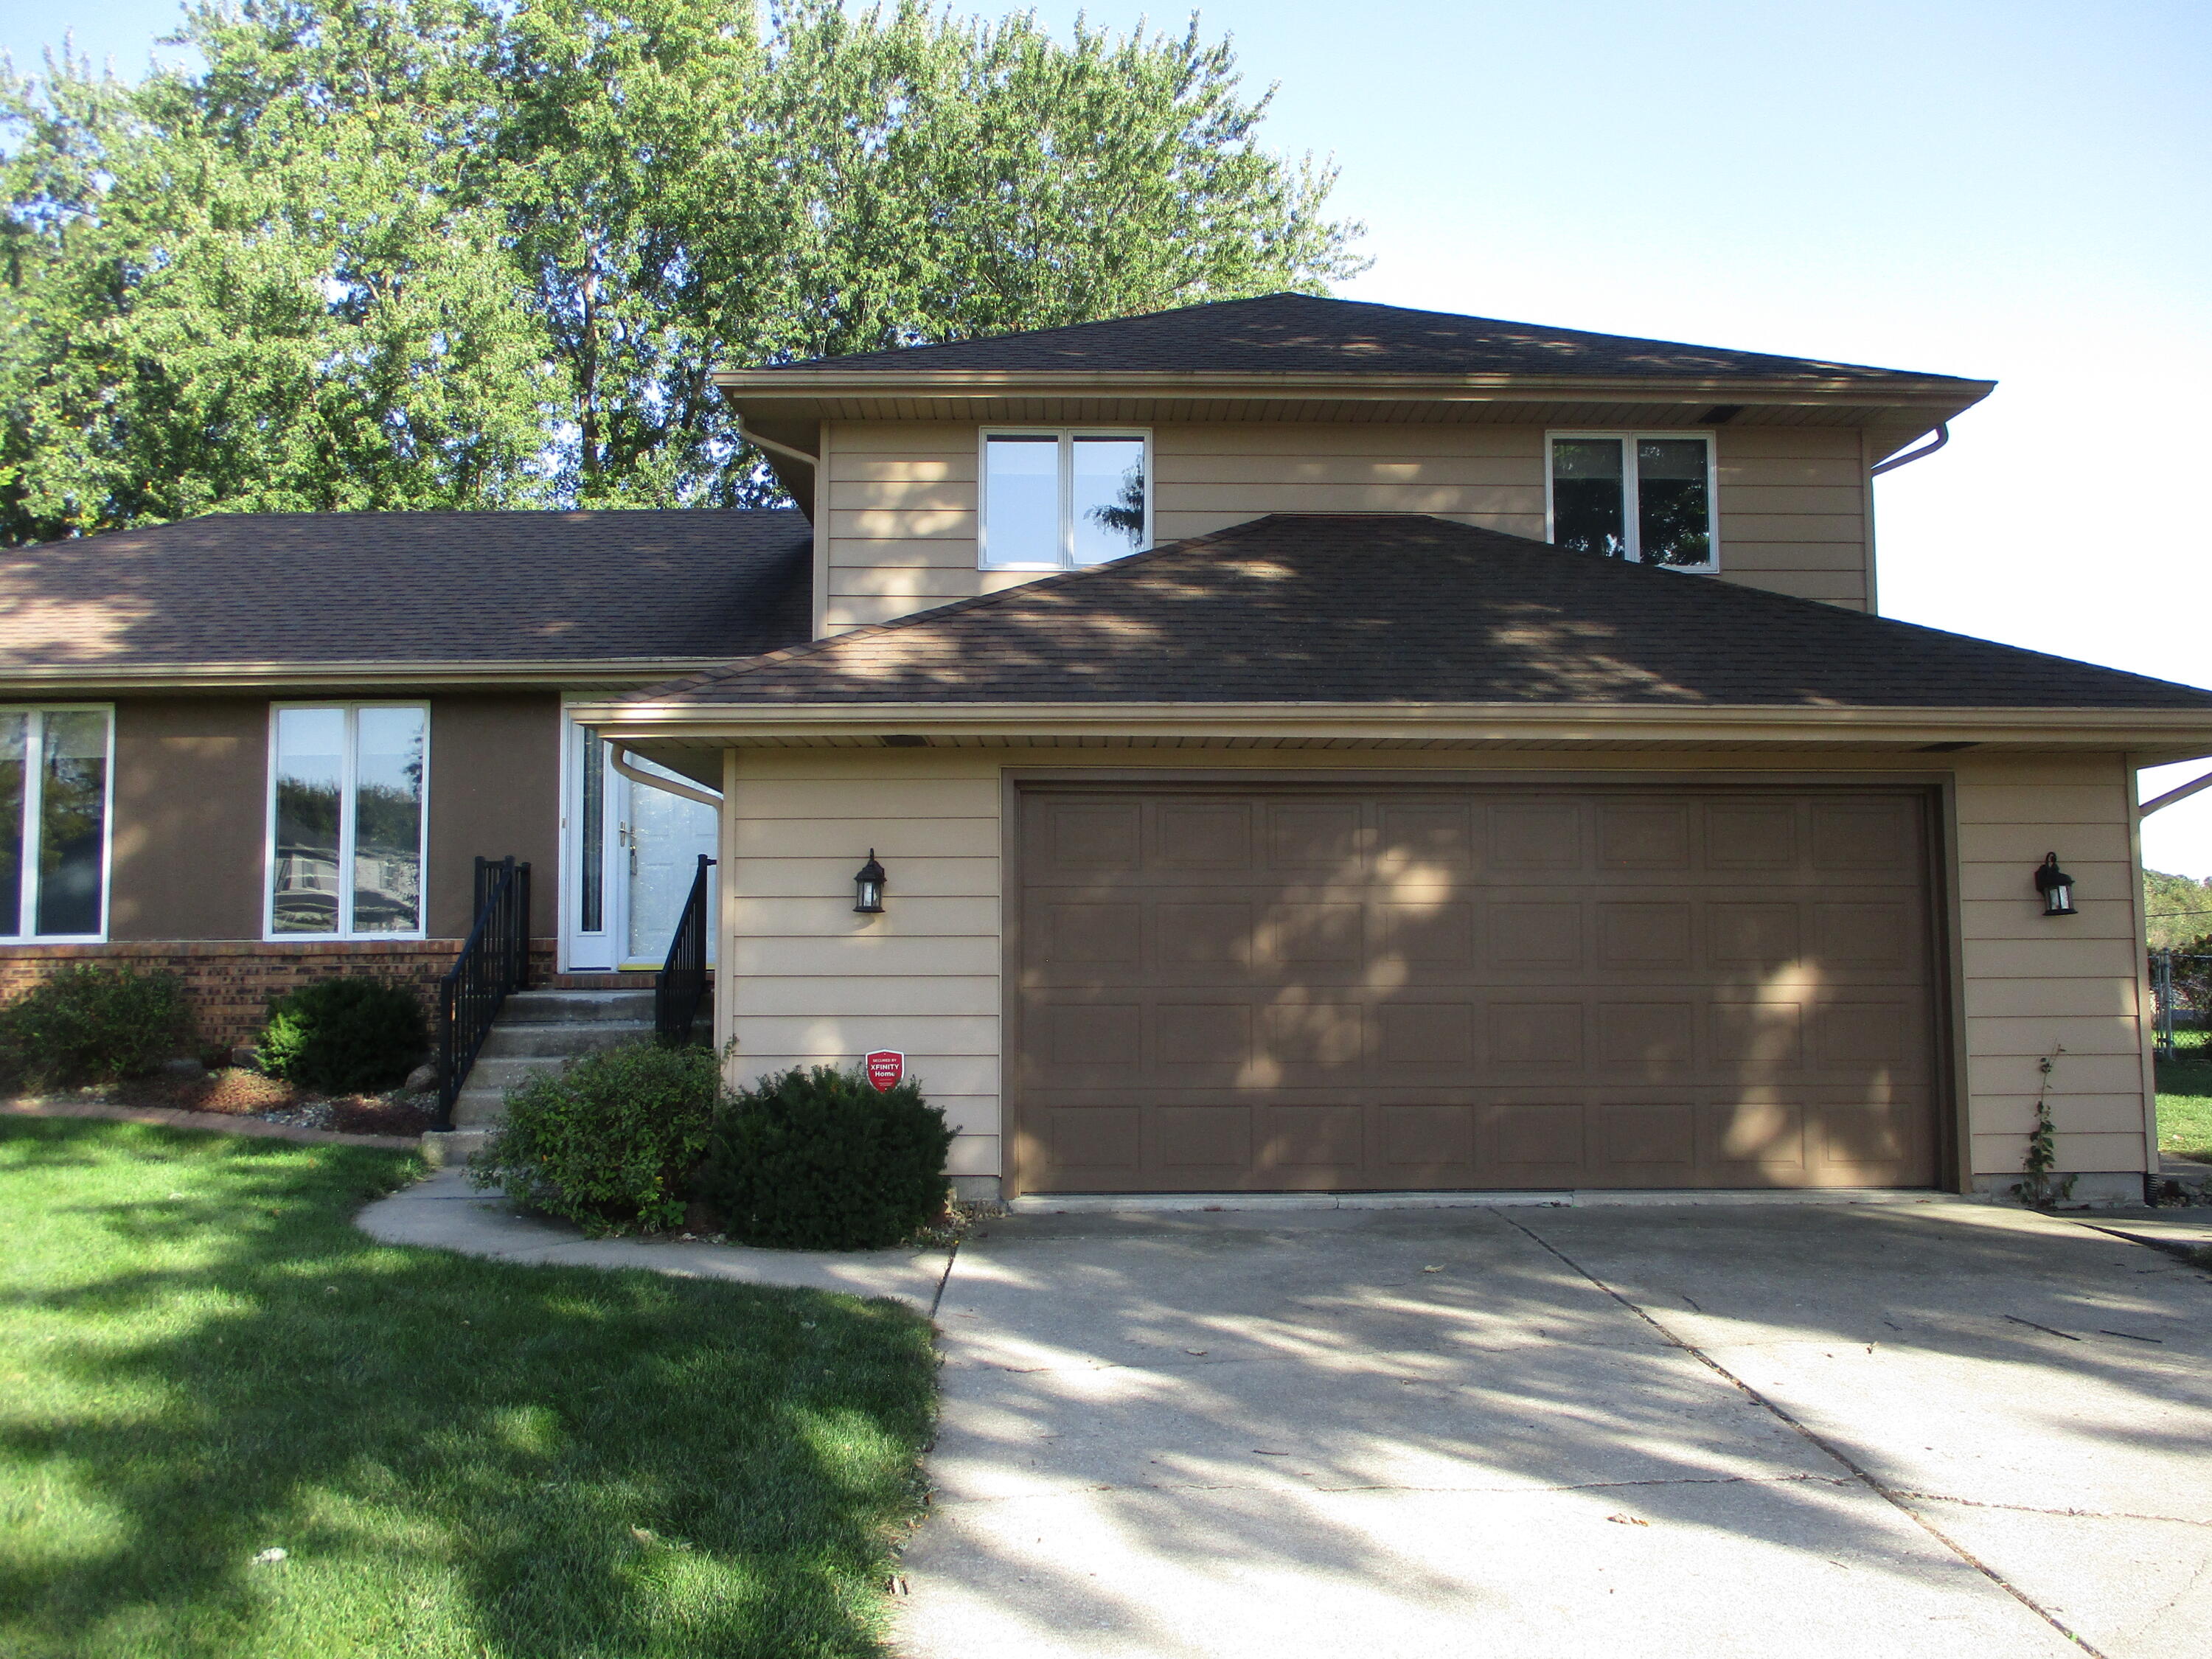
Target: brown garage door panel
{"type": "Point", "coordinates": [1473, 987]}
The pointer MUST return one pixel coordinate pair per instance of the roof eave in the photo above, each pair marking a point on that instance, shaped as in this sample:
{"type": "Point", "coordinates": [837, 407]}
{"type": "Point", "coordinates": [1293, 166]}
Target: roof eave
{"type": "Point", "coordinates": [766, 384]}
{"type": "Point", "coordinates": [2183, 733]}
{"type": "Point", "coordinates": [139, 678]}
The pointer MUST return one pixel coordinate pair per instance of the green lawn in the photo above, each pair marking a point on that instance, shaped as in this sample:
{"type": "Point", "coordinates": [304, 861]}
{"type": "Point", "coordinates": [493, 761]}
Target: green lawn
{"type": "Point", "coordinates": [2184, 1098]}
{"type": "Point", "coordinates": [202, 1360]}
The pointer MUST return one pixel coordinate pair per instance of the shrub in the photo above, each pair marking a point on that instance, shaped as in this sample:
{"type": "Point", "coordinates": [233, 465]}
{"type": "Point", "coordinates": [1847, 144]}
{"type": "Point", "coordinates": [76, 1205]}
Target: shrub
{"type": "Point", "coordinates": [607, 1140]}
{"type": "Point", "coordinates": [93, 1024]}
{"type": "Point", "coordinates": [344, 1035]}
{"type": "Point", "coordinates": [820, 1160]}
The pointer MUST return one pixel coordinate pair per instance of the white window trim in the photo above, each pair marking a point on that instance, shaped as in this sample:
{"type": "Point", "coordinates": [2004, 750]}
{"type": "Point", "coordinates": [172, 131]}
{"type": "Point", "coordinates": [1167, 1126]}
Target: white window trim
{"type": "Point", "coordinates": [34, 785]}
{"type": "Point", "coordinates": [1628, 440]}
{"type": "Point", "coordinates": [1068, 435]}
{"type": "Point", "coordinates": [346, 781]}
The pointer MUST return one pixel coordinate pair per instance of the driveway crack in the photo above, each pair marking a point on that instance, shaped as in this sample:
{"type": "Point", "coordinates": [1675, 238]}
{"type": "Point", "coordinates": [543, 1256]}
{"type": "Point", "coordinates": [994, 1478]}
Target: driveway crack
{"type": "Point", "coordinates": [1865, 1477]}
{"type": "Point", "coordinates": [2037, 1509]}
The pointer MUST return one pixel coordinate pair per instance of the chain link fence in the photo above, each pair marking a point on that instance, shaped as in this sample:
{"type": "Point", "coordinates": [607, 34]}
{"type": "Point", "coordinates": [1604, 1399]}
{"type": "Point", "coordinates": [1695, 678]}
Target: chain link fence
{"type": "Point", "coordinates": [2181, 992]}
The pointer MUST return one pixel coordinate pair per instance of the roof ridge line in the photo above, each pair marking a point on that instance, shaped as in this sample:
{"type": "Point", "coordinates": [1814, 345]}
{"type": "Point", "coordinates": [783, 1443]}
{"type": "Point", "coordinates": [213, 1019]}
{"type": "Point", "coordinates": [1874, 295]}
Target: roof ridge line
{"type": "Point", "coordinates": [973, 602]}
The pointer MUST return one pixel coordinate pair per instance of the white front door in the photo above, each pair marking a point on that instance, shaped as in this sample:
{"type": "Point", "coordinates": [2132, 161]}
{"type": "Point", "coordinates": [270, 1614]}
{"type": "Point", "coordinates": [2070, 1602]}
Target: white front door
{"type": "Point", "coordinates": [632, 855]}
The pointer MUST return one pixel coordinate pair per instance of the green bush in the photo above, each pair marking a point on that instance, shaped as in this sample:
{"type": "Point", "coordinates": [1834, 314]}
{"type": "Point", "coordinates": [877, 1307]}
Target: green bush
{"type": "Point", "coordinates": [608, 1140]}
{"type": "Point", "coordinates": [344, 1035]}
{"type": "Point", "coordinates": [820, 1160]}
{"type": "Point", "coordinates": [93, 1024]}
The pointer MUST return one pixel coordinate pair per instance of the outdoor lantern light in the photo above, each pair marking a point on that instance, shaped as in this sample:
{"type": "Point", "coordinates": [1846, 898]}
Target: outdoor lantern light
{"type": "Point", "coordinates": [868, 887]}
{"type": "Point", "coordinates": [2056, 888]}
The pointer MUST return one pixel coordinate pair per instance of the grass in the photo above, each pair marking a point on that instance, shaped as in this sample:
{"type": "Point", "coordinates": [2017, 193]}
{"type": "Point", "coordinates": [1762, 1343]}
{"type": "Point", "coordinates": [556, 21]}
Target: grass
{"type": "Point", "coordinates": [201, 1360]}
{"type": "Point", "coordinates": [2184, 1098]}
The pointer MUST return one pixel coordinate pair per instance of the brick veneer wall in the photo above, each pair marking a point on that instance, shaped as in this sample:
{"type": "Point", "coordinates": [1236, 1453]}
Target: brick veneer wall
{"type": "Point", "coordinates": [229, 983]}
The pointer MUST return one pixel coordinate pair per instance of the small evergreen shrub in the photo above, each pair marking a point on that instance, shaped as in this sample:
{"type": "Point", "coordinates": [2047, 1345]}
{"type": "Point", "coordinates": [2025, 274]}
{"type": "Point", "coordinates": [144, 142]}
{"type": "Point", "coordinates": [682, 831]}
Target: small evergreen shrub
{"type": "Point", "coordinates": [820, 1160]}
{"type": "Point", "coordinates": [344, 1036]}
{"type": "Point", "coordinates": [90, 1024]}
{"type": "Point", "coordinates": [608, 1140]}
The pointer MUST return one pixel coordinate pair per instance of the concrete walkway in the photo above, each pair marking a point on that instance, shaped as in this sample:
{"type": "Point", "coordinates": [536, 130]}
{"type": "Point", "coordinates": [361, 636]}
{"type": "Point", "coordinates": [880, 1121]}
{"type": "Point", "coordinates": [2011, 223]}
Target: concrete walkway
{"type": "Point", "coordinates": [446, 1214]}
{"type": "Point", "coordinates": [1928, 1428]}
{"type": "Point", "coordinates": [1936, 1429]}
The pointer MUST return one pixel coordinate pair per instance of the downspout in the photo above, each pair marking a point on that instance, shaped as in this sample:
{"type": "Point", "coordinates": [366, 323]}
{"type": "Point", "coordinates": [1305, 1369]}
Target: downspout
{"type": "Point", "coordinates": [774, 447]}
{"type": "Point", "coordinates": [1942, 437]}
{"type": "Point", "coordinates": [2160, 803]}
{"type": "Point", "coordinates": [618, 757]}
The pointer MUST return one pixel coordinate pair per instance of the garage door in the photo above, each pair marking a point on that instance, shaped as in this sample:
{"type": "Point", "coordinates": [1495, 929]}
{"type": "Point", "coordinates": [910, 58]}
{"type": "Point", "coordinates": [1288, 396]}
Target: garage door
{"type": "Point", "coordinates": [1471, 987]}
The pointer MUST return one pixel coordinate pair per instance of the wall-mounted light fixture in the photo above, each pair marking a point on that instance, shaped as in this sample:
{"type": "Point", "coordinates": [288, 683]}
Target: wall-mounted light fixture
{"type": "Point", "coordinates": [2056, 886]}
{"type": "Point", "coordinates": [868, 887]}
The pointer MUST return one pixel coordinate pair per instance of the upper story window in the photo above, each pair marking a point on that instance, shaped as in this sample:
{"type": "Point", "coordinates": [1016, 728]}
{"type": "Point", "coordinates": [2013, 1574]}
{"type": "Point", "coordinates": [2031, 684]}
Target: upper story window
{"type": "Point", "coordinates": [55, 769]}
{"type": "Point", "coordinates": [1058, 499]}
{"type": "Point", "coordinates": [346, 820]}
{"type": "Point", "coordinates": [1647, 497]}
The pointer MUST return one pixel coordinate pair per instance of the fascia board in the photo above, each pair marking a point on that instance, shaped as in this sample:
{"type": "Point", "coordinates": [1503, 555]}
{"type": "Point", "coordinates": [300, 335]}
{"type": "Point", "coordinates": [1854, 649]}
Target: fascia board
{"type": "Point", "coordinates": [2099, 728]}
{"type": "Point", "coordinates": [251, 676]}
{"type": "Point", "coordinates": [772, 385]}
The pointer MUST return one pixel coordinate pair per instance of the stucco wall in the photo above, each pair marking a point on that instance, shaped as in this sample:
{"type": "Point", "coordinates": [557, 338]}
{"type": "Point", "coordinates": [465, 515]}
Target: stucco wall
{"type": "Point", "coordinates": [901, 495]}
{"type": "Point", "coordinates": [811, 982]}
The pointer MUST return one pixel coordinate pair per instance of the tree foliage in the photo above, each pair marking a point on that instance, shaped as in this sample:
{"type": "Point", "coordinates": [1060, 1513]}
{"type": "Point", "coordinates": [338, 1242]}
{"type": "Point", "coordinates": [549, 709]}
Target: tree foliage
{"type": "Point", "coordinates": [2178, 909]}
{"type": "Point", "coordinates": [410, 253]}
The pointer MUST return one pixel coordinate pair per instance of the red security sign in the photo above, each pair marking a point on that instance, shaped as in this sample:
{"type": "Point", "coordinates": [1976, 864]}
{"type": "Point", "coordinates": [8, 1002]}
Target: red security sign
{"type": "Point", "coordinates": [885, 1068]}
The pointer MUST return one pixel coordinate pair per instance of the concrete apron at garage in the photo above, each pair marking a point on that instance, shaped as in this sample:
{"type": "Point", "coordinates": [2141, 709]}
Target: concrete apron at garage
{"type": "Point", "coordinates": [1897, 1429]}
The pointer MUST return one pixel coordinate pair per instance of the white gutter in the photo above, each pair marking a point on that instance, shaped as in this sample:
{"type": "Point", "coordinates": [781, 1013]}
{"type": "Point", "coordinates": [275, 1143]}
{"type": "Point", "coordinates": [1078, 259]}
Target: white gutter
{"type": "Point", "coordinates": [618, 756]}
{"type": "Point", "coordinates": [2170, 796]}
{"type": "Point", "coordinates": [638, 721]}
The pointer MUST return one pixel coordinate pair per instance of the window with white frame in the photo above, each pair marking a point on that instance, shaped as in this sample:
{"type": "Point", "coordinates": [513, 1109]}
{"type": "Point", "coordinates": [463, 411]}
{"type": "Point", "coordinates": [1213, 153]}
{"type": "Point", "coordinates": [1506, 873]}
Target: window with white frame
{"type": "Point", "coordinates": [1060, 498]}
{"type": "Point", "coordinates": [346, 820]}
{"type": "Point", "coordinates": [56, 765]}
{"type": "Point", "coordinates": [1647, 497]}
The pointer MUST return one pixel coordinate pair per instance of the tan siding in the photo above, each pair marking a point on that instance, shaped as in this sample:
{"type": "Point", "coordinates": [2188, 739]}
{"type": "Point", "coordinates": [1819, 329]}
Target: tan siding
{"type": "Point", "coordinates": [899, 512]}
{"type": "Point", "coordinates": [811, 982]}
{"type": "Point", "coordinates": [2034, 985]}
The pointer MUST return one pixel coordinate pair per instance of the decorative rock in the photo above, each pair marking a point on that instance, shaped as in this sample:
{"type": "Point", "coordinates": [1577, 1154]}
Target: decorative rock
{"type": "Point", "coordinates": [422, 1080]}
{"type": "Point", "coordinates": [183, 1067]}
{"type": "Point", "coordinates": [246, 1056]}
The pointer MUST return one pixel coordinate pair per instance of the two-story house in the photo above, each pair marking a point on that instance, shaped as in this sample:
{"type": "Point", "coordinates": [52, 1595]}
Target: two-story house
{"type": "Point", "coordinates": [1305, 745]}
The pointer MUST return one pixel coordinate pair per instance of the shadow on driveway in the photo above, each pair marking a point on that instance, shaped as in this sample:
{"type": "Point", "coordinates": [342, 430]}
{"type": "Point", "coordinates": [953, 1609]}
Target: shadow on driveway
{"type": "Point", "coordinates": [1756, 1431]}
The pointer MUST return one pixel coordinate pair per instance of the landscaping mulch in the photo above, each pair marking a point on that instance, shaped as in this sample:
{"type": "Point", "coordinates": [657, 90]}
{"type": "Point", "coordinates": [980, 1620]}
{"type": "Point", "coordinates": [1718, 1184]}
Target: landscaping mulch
{"type": "Point", "coordinates": [236, 1091]}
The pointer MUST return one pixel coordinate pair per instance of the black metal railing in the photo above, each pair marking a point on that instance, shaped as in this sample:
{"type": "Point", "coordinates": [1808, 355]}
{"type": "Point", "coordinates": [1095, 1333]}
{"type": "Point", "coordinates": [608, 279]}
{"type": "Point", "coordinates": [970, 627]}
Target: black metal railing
{"type": "Point", "coordinates": [495, 961]}
{"type": "Point", "coordinates": [684, 981]}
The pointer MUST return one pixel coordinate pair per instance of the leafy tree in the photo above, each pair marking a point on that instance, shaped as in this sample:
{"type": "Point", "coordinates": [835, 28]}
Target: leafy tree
{"type": "Point", "coordinates": [2179, 909]}
{"type": "Point", "coordinates": [403, 253]}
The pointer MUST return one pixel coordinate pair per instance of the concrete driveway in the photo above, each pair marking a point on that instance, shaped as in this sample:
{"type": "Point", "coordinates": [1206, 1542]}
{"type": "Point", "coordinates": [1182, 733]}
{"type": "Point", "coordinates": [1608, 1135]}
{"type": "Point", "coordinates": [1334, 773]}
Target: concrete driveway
{"type": "Point", "coordinates": [1930, 1428]}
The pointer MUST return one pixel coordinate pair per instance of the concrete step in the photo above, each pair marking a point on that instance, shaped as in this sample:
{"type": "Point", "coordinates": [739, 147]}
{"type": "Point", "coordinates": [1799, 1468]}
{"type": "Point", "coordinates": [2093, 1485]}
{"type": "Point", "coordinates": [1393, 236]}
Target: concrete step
{"type": "Point", "coordinates": [452, 1148]}
{"type": "Point", "coordinates": [559, 1039]}
{"type": "Point", "coordinates": [480, 1108]}
{"type": "Point", "coordinates": [575, 1007]}
{"type": "Point", "coordinates": [497, 1074]}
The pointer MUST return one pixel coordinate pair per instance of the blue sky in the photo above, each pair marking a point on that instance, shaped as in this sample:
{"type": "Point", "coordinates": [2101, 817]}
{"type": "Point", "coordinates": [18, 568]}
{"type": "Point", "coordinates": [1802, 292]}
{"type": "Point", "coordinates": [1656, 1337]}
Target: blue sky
{"type": "Point", "coordinates": [2013, 190]}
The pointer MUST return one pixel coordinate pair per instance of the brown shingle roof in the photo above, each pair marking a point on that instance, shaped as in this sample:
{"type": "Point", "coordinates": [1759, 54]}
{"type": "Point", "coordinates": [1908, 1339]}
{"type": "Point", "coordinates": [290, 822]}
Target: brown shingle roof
{"type": "Point", "coordinates": [1301, 334]}
{"type": "Point", "coordinates": [403, 588]}
{"type": "Point", "coordinates": [1402, 609]}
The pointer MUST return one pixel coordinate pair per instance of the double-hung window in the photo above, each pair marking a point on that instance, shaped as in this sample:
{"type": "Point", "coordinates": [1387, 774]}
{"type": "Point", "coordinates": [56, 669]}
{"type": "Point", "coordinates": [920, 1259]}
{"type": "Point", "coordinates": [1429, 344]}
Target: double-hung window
{"type": "Point", "coordinates": [1058, 499]}
{"type": "Point", "coordinates": [55, 770]}
{"type": "Point", "coordinates": [346, 820]}
{"type": "Point", "coordinates": [1645, 497]}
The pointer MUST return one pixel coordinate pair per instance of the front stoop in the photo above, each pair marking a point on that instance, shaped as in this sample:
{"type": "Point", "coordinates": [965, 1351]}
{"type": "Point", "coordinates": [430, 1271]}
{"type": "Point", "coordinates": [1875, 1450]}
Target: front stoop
{"type": "Point", "coordinates": [538, 1031]}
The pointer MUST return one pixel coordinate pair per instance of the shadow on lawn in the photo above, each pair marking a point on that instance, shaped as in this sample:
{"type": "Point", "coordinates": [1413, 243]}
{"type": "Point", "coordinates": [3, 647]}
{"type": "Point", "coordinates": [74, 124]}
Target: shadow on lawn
{"type": "Point", "coordinates": [457, 1456]}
